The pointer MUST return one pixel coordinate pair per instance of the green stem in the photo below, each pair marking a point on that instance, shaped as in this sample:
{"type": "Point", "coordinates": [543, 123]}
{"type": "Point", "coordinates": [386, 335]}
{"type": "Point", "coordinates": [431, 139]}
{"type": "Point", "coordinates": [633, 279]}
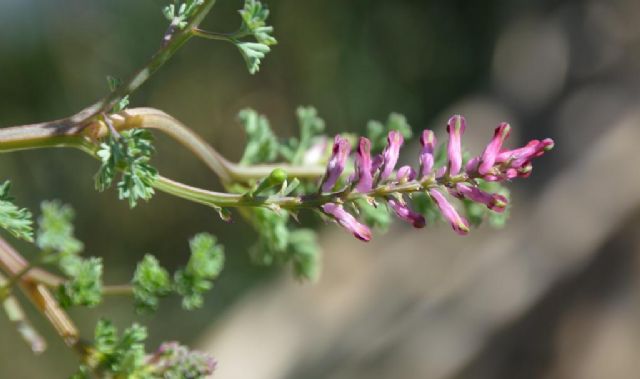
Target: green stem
{"type": "Point", "coordinates": [174, 39]}
{"type": "Point", "coordinates": [214, 35]}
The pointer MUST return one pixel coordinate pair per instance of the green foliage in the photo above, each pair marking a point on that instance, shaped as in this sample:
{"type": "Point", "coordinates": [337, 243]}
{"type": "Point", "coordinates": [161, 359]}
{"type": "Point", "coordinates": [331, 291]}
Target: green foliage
{"type": "Point", "coordinates": [55, 230]}
{"type": "Point", "coordinates": [311, 125]}
{"type": "Point", "coordinates": [17, 221]}
{"type": "Point", "coordinates": [254, 16]}
{"type": "Point", "coordinates": [377, 217]}
{"type": "Point", "coordinates": [114, 356]}
{"type": "Point", "coordinates": [280, 243]}
{"type": "Point", "coordinates": [114, 83]}
{"type": "Point", "coordinates": [477, 213]}
{"type": "Point", "coordinates": [85, 284]}
{"type": "Point", "coordinates": [129, 154]}
{"type": "Point", "coordinates": [252, 53]}
{"type": "Point", "coordinates": [377, 131]}
{"type": "Point", "coordinates": [59, 246]}
{"type": "Point", "coordinates": [205, 264]}
{"type": "Point", "coordinates": [179, 12]}
{"type": "Point", "coordinates": [118, 357]}
{"type": "Point", "coordinates": [273, 234]}
{"type": "Point", "coordinates": [150, 282]}
{"type": "Point", "coordinates": [304, 253]}
{"type": "Point", "coordinates": [262, 145]}
{"type": "Point", "coordinates": [254, 21]}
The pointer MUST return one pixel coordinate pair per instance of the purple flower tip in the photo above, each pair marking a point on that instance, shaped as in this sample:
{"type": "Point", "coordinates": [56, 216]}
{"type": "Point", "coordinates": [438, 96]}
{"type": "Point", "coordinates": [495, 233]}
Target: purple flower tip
{"type": "Point", "coordinates": [495, 202]}
{"type": "Point", "coordinates": [403, 212]}
{"type": "Point", "coordinates": [363, 173]}
{"type": "Point", "coordinates": [459, 224]}
{"type": "Point", "coordinates": [455, 127]}
{"type": "Point", "coordinates": [391, 153]}
{"type": "Point", "coordinates": [344, 218]}
{"type": "Point", "coordinates": [339, 155]}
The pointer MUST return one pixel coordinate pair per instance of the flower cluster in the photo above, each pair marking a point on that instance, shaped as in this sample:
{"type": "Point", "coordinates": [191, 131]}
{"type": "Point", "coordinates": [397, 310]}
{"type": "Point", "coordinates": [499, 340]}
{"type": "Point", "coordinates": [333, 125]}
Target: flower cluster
{"type": "Point", "coordinates": [173, 360]}
{"type": "Point", "coordinates": [373, 177]}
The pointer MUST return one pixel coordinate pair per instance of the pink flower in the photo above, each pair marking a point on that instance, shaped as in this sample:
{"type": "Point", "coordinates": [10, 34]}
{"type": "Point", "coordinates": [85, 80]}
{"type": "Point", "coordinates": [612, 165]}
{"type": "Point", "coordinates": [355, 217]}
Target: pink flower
{"type": "Point", "coordinates": [495, 202]}
{"type": "Point", "coordinates": [521, 156]}
{"type": "Point", "coordinates": [341, 150]}
{"type": "Point", "coordinates": [344, 218]}
{"type": "Point", "coordinates": [363, 174]}
{"type": "Point", "coordinates": [428, 142]}
{"type": "Point", "coordinates": [493, 148]}
{"type": "Point", "coordinates": [403, 212]}
{"type": "Point", "coordinates": [458, 223]}
{"type": "Point", "coordinates": [455, 127]}
{"type": "Point", "coordinates": [391, 153]}
{"type": "Point", "coordinates": [405, 174]}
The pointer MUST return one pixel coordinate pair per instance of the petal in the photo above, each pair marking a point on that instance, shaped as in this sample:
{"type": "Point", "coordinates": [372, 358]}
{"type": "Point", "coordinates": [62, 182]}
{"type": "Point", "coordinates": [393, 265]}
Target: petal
{"type": "Point", "coordinates": [455, 127]}
{"type": "Point", "coordinates": [405, 174]}
{"type": "Point", "coordinates": [493, 201]}
{"type": "Point", "coordinates": [346, 220]}
{"type": "Point", "coordinates": [339, 155]}
{"type": "Point", "coordinates": [458, 223]}
{"type": "Point", "coordinates": [391, 153]}
{"type": "Point", "coordinates": [403, 212]}
{"type": "Point", "coordinates": [428, 142]}
{"type": "Point", "coordinates": [493, 148]}
{"type": "Point", "coordinates": [363, 175]}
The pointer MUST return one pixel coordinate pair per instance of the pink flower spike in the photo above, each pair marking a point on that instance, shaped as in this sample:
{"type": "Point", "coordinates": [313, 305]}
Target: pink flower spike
{"type": "Point", "coordinates": [428, 142]}
{"type": "Point", "coordinates": [344, 218]}
{"type": "Point", "coordinates": [405, 174]}
{"type": "Point", "coordinates": [403, 212]}
{"type": "Point", "coordinates": [458, 223]}
{"type": "Point", "coordinates": [341, 150]}
{"type": "Point", "coordinates": [391, 153]}
{"type": "Point", "coordinates": [455, 127]}
{"type": "Point", "coordinates": [363, 173]}
{"type": "Point", "coordinates": [493, 148]}
{"type": "Point", "coordinates": [495, 202]}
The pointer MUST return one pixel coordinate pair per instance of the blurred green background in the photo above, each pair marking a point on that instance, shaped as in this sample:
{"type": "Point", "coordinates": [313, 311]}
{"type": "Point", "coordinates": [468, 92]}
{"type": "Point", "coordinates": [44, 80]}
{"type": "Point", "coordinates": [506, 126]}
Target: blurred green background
{"type": "Point", "coordinates": [563, 69]}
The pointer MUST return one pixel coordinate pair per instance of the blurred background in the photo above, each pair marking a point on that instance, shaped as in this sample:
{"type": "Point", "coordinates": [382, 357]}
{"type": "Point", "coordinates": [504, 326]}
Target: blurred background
{"type": "Point", "coordinates": [553, 295]}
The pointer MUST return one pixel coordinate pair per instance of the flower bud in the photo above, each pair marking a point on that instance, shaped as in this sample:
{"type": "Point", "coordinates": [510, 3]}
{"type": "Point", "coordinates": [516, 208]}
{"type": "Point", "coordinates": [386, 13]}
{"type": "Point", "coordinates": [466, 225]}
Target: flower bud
{"type": "Point", "coordinates": [391, 153]}
{"type": "Point", "coordinates": [459, 224]}
{"type": "Point", "coordinates": [495, 202]}
{"type": "Point", "coordinates": [403, 212]}
{"type": "Point", "coordinates": [347, 221]}
{"type": "Point", "coordinates": [455, 127]}
{"type": "Point", "coordinates": [428, 142]}
{"type": "Point", "coordinates": [363, 174]}
{"type": "Point", "coordinates": [405, 174]}
{"type": "Point", "coordinates": [493, 148]}
{"type": "Point", "coordinates": [339, 155]}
